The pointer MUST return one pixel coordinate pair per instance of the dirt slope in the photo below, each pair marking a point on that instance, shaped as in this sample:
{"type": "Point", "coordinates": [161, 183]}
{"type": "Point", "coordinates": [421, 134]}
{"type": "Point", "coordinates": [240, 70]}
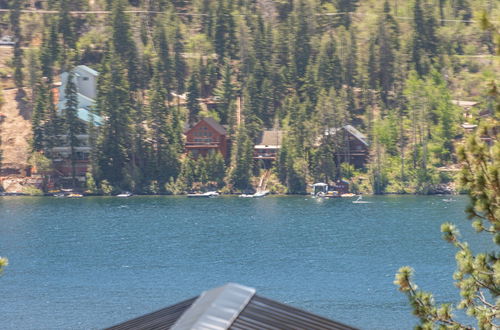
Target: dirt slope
{"type": "Point", "coordinates": [15, 130]}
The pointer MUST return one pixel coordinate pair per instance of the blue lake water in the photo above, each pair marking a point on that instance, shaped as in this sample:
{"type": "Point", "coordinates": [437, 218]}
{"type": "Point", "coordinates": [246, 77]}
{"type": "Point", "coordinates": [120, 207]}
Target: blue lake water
{"type": "Point", "coordinates": [94, 262]}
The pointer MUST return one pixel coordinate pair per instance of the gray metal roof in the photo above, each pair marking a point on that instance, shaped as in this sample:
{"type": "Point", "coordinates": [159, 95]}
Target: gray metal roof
{"type": "Point", "coordinates": [231, 306]}
{"type": "Point", "coordinates": [89, 70]}
{"type": "Point", "coordinates": [270, 138]}
{"type": "Point", "coordinates": [352, 130]}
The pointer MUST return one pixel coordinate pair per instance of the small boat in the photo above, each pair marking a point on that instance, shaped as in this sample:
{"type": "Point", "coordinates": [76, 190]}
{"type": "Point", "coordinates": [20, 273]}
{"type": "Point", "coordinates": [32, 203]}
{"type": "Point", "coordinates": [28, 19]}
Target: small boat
{"type": "Point", "coordinates": [74, 195]}
{"type": "Point", "coordinates": [360, 201]}
{"type": "Point", "coordinates": [124, 194]}
{"type": "Point", "coordinates": [208, 194]}
{"type": "Point", "coordinates": [246, 196]}
{"type": "Point", "coordinates": [59, 195]}
{"type": "Point", "coordinates": [260, 194]}
{"type": "Point", "coordinates": [348, 195]}
{"type": "Point", "coordinates": [256, 195]}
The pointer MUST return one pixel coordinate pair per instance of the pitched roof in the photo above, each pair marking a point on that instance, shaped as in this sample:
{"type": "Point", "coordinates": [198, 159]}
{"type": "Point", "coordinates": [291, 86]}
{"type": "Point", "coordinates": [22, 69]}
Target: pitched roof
{"type": "Point", "coordinates": [353, 131]}
{"type": "Point", "coordinates": [86, 115]}
{"type": "Point", "coordinates": [231, 306]}
{"type": "Point", "coordinates": [215, 125]}
{"type": "Point", "coordinates": [89, 70]}
{"type": "Point", "coordinates": [270, 138]}
{"type": "Point", "coordinates": [464, 103]}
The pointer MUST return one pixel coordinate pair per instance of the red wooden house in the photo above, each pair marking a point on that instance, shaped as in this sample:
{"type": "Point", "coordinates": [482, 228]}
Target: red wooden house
{"type": "Point", "coordinates": [205, 137]}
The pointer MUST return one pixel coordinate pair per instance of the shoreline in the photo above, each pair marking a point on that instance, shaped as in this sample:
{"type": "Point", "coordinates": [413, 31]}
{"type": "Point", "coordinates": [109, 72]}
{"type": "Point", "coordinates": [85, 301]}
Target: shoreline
{"type": "Point", "coordinates": [225, 195]}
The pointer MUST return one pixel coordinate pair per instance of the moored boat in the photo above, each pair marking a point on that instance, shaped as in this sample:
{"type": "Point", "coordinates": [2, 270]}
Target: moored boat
{"type": "Point", "coordinates": [124, 194]}
{"type": "Point", "coordinates": [74, 195]}
{"type": "Point", "coordinates": [208, 194]}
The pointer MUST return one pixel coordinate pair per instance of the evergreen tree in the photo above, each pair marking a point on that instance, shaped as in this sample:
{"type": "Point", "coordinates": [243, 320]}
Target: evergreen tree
{"type": "Point", "coordinates": [114, 141]}
{"type": "Point", "coordinates": [226, 93]}
{"type": "Point", "coordinates": [301, 43]}
{"type": "Point", "coordinates": [477, 274]}
{"type": "Point", "coordinates": [160, 121]}
{"type": "Point", "coordinates": [71, 121]}
{"type": "Point", "coordinates": [66, 25]}
{"type": "Point", "coordinates": [124, 44]}
{"type": "Point", "coordinates": [180, 65]}
{"type": "Point", "coordinates": [49, 50]}
{"type": "Point", "coordinates": [193, 104]}
{"type": "Point", "coordinates": [224, 31]}
{"type": "Point", "coordinates": [53, 123]}
{"type": "Point", "coordinates": [424, 41]}
{"type": "Point", "coordinates": [216, 168]}
{"type": "Point", "coordinates": [345, 7]}
{"type": "Point", "coordinates": [165, 68]}
{"type": "Point", "coordinates": [329, 72]}
{"type": "Point", "coordinates": [37, 119]}
{"type": "Point", "coordinates": [241, 162]}
{"type": "Point", "coordinates": [462, 10]}
{"type": "Point", "coordinates": [15, 14]}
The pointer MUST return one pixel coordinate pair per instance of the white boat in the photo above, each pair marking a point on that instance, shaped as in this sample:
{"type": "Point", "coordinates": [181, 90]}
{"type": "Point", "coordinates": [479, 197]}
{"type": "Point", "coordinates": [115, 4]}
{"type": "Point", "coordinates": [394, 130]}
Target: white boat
{"type": "Point", "coordinates": [74, 195]}
{"type": "Point", "coordinates": [256, 195]}
{"type": "Point", "coordinates": [360, 201]}
{"type": "Point", "coordinates": [124, 194]}
{"type": "Point", "coordinates": [260, 193]}
{"type": "Point", "coordinates": [246, 196]}
{"type": "Point", "coordinates": [208, 194]}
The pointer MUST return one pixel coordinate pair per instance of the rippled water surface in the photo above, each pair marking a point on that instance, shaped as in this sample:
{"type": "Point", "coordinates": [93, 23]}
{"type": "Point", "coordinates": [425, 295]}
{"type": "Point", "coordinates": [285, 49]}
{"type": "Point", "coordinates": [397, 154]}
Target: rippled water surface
{"type": "Point", "coordinates": [93, 262]}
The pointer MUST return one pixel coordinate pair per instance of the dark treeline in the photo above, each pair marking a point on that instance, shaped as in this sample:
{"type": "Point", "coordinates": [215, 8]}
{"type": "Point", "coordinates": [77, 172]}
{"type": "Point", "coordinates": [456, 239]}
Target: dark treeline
{"type": "Point", "coordinates": [287, 65]}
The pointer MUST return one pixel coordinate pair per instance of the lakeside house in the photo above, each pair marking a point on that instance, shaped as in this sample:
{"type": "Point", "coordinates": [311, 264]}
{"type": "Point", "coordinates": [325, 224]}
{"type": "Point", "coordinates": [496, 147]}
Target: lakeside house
{"type": "Point", "coordinates": [231, 306]}
{"type": "Point", "coordinates": [268, 146]}
{"type": "Point", "coordinates": [354, 145]}
{"type": "Point", "coordinates": [85, 80]}
{"type": "Point", "coordinates": [205, 137]}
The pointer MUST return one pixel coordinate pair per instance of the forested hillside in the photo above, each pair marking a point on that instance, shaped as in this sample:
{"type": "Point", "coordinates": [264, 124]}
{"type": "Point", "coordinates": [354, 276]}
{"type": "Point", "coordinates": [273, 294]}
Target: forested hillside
{"type": "Point", "coordinates": [388, 68]}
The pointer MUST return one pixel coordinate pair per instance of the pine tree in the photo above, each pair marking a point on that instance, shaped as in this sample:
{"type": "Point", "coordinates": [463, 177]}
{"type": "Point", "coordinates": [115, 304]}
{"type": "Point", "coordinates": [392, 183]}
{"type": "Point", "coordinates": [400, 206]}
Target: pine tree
{"type": "Point", "coordinates": [162, 135]}
{"type": "Point", "coordinates": [193, 104]}
{"type": "Point", "coordinates": [329, 72]}
{"type": "Point", "coordinates": [67, 25]}
{"type": "Point", "coordinates": [114, 141]}
{"type": "Point", "coordinates": [241, 162]}
{"type": "Point", "coordinates": [301, 45]}
{"type": "Point", "coordinates": [124, 44]}
{"type": "Point", "coordinates": [50, 50]}
{"type": "Point", "coordinates": [165, 69]}
{"type": "Point", "coordinates": [477, 274]}
{"type": "Point", "coordinates": [346, 7]}
{"type": "Point", "coordinates": [71, 121]}
{"type": "Point", "coordinates": [15, 14]}
{"type": "Point", "coordinates": [224, 31]}
{"type": "Point", "coordinates": [226, 94]}
{"type": "Point", "coordinates": [180, 65]}
{"type": "Point", "coordinates": [37, 118]}
{"type": "Point", "coordinates": [424, 41]}
{"type": "Point", "coordinates": [462, 10]}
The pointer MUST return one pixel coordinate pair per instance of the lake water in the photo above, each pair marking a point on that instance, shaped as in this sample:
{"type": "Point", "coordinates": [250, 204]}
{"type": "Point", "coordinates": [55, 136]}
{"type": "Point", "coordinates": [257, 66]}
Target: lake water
{"type": "Point", "coordinates": [94, 262]}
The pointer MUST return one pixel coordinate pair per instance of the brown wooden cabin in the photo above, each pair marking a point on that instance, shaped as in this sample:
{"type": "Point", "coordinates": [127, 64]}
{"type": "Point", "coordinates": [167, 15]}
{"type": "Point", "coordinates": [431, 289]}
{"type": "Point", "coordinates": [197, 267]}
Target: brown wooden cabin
{"type": "Point", "coordinates": [205, 137]}
{"type": "Point", "coordinates": [268, 146]}
{"type": "Point", "coordinates": [356, 147]}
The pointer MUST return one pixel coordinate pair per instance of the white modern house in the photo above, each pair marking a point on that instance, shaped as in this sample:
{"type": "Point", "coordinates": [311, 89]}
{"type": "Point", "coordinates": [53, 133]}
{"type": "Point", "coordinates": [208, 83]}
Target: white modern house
{"type": "Point", "coordinates": [86, 87]}
{"type": "Point", "coordinates": [85, 80]}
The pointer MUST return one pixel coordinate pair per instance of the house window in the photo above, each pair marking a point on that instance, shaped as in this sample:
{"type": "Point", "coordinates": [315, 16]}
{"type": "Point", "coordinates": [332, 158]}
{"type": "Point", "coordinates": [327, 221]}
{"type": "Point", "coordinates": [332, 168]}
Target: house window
{"type": "Point", "coordinates": [85, 78]}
